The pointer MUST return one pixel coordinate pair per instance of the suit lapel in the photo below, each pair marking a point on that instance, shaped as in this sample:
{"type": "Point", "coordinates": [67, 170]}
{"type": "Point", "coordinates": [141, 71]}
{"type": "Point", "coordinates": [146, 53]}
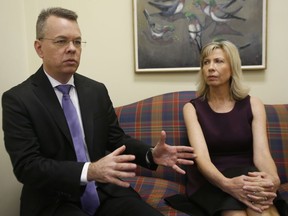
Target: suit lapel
{"type": "Point", "coordinates": [46, 94]}
{"type": "Point", "coordinates": [82, 88]}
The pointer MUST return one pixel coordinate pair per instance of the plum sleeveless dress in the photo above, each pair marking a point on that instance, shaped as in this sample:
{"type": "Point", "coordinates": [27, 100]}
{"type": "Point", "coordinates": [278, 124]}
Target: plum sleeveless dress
{"type": "Point", "coordinates": [228, 137]}
{"type": "Point", "coordinates": [230, 143]}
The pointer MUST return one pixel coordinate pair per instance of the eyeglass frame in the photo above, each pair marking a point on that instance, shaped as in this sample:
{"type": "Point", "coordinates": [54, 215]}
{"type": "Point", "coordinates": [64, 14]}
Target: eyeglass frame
{"type": "Point", "coordinates": [64, 42]}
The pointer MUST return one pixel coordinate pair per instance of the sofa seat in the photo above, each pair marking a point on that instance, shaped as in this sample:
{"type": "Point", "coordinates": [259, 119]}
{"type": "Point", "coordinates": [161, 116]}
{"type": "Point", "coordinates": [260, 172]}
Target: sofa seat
{"type": "Point", "coordinates": [153, 190]}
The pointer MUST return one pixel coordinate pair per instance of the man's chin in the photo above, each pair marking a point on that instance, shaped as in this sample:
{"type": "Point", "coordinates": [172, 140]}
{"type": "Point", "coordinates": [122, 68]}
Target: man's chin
{"type": "Point", "coordinates": [71, 69]}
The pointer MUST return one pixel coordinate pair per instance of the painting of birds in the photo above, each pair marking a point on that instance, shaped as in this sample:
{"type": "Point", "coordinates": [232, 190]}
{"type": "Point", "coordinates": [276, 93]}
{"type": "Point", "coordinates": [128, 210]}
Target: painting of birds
{"type": "Point", "coordinates": [172, 32]}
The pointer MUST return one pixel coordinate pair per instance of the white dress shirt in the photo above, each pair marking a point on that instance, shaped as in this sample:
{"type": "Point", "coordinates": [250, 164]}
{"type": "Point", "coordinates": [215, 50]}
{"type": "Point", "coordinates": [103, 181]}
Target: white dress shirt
{"type": "Point", "coordinates": [74, 98]}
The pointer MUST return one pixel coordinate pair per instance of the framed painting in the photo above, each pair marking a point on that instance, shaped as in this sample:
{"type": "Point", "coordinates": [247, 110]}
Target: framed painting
{"type": "Point", "coordinates": [169, 34]}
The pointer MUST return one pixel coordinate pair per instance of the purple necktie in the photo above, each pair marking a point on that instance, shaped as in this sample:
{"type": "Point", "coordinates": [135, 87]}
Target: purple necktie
{"type": "Point", "coordinates": [90, 200]}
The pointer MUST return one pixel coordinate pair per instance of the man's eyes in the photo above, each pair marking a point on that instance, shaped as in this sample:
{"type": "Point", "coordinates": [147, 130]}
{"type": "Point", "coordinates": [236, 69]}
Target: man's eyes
{"type": "Point", "coordinates": [61, 42]}
{"type": "Point", "coordinates": [64, 42]}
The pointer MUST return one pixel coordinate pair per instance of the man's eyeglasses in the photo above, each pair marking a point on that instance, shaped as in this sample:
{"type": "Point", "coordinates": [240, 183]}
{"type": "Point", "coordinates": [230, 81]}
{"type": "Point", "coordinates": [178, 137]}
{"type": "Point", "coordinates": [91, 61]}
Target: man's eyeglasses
{"type": "Point", "coordinates": [63, 42]}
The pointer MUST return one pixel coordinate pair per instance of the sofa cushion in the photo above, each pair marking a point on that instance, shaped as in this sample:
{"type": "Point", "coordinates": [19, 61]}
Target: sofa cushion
{"type": "Point", "coordinates": [277, 129]}
{"type": "Point", "coordinates": [146, 118]}
{"type": "Point", "coordinates": [154, 190]}
{"type": "Point", "coordinates": [283, 190]}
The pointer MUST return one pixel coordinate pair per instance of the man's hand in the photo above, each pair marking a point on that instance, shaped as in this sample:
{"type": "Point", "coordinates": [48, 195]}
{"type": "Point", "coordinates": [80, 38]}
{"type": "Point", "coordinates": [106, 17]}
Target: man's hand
{"type": "Point", "coordinates": [166, 155]}
{"type": "Point", "coordinates": [113, 167]}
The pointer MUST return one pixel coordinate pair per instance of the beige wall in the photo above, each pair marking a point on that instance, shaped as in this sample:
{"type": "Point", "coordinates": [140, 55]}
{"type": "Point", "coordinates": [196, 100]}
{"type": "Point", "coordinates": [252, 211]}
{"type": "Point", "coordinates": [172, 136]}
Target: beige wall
{"type": "Point", "coordinates": [108, 57]}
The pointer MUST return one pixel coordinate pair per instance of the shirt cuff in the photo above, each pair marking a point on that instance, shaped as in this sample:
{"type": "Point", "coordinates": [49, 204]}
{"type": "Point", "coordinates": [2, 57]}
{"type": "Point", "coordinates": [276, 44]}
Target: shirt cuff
{"type": "Point", "coordinates": [84, 174]}
{"type": "Point", "coordinates": [149, 160]}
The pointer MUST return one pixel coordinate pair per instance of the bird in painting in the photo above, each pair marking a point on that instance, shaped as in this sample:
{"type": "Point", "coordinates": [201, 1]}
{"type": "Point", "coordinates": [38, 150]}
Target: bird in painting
{"type": "Point", "coordinates": [168, 7]}
{"type": "Point", "coordinates": [194, 29]}
{"type": "Point", "coordinates": [217, 11]}
{"type": "Point", "coordinates": [157, 30]}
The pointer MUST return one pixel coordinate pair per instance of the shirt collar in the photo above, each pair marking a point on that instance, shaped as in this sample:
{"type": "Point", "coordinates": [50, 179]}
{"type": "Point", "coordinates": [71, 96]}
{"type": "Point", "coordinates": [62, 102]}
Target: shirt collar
{"type": "Point", "coordinates": [55, 83]}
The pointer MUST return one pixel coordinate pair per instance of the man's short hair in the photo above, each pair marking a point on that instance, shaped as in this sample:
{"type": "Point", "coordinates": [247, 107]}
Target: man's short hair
{"type": "Point", "coordinates": [54, 11]}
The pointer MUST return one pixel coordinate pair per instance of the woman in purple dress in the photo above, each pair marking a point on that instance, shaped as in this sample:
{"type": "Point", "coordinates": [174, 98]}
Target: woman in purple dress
{"type": "Point", "coordinates": [235, 173]}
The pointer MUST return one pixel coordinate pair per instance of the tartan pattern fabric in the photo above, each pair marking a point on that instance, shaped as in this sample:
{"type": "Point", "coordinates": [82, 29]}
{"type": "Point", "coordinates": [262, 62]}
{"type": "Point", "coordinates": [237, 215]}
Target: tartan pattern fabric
{"type": "Point", "coordinates": [154, 190]}
{"type": "Point", "coordinates": [283, 190]}
{"type": "Point", "coordinates": [277, 130]}
{"type": "Point", "coordinates": [146, 118]}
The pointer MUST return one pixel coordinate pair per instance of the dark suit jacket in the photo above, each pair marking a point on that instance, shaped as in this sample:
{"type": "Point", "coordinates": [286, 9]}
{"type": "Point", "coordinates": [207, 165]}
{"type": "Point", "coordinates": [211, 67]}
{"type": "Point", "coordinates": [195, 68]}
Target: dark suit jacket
{"type": "Point", "coordinates": [38, 141]}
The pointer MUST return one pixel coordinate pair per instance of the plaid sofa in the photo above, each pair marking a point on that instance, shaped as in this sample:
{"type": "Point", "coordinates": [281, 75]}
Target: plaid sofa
{"type": "Point", "coordinates": [146, 118]}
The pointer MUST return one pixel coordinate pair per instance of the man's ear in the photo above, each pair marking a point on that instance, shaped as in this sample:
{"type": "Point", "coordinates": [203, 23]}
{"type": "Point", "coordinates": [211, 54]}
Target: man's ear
{"type": "Point", "coordinates": [38, 48]}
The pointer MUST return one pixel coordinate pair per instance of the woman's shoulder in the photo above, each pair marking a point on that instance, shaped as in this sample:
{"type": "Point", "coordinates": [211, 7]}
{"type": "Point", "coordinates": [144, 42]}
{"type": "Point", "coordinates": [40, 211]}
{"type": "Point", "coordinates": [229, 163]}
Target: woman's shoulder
{"type": "Point", "coordinates": [255, 101]}
{"type": "Point", "coordinates": [194, 104]}
{"type": "Point", "coordinates": [191, 103]}
{"type": "Point", "coordinates": [198, 99]}
{"type": "Point", "coordinates": [257, 105]}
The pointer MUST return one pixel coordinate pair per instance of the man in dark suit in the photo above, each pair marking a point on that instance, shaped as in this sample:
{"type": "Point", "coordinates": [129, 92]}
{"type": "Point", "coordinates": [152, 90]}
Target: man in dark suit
{"type": "Point", "coordinates": [40, 144]}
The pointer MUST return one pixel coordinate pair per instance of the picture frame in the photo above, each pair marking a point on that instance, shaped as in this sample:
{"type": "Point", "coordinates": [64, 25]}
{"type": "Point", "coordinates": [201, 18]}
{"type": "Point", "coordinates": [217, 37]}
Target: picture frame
{"type": "Point", "coordinates": [169, 34]}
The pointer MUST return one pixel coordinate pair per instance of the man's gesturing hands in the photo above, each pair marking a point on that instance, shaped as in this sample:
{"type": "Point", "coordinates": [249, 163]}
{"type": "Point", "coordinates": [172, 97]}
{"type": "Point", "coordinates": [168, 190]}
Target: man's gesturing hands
{"type": "Point", "coordinates": [115, 166]}
{"type": "Point", "coordinates": [172, 156]}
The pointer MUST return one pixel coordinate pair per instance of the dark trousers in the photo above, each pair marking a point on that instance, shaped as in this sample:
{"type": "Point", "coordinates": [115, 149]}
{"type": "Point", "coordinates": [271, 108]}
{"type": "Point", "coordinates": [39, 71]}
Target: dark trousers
{"type": "Point", "coordinates": [112, 206]}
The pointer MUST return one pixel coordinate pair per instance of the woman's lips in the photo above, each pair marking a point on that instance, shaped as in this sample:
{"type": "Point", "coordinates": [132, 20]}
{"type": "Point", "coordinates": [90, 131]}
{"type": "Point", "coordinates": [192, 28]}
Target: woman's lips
{"type": "Point", "coordinates": [212, 77]}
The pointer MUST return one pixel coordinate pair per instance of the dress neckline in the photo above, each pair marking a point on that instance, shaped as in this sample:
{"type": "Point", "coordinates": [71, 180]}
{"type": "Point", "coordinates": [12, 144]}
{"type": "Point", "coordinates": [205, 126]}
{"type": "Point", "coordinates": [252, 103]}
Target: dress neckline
{"type": "Point", "coordinates": [230, 111]}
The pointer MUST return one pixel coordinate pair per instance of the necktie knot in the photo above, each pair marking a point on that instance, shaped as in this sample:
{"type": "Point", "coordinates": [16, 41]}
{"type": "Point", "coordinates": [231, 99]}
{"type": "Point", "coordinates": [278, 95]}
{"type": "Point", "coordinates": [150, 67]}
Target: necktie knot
{"type": "Point", "coordinates": [65, 89]}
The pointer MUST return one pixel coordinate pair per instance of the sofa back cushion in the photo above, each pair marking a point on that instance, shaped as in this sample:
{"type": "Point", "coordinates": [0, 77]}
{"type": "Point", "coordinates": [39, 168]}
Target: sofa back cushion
{"type": "Point", "coordinates": [145, 119]}
{"type": "Point", "coordinates": [277, 129]}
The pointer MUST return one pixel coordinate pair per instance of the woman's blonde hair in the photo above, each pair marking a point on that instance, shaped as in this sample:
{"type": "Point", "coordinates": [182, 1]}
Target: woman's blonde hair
{"type": "Point", "coordinates": [237, 90]}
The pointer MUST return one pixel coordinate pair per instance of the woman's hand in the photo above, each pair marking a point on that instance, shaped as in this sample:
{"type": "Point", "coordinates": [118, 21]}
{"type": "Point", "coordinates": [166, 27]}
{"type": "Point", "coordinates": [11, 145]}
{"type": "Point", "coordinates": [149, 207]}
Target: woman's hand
{"type": "Point", "coordinates": [234, 187]}
{"type": "Point", "coordinates": [261, 188]}
{"type": "Point", "coordinates": [265, 176]}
